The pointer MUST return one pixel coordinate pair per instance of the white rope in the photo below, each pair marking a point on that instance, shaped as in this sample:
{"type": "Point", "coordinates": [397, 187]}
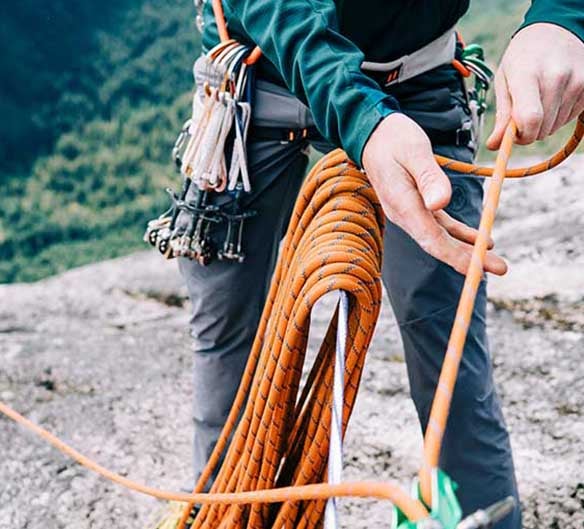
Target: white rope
{"type": "Point", "coordinates": [335, 462]}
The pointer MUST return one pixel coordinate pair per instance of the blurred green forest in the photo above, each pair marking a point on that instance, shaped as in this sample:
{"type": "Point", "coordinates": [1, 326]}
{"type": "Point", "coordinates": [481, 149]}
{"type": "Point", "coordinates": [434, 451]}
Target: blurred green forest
{"type": "Point", "coordinates": [92, 96]}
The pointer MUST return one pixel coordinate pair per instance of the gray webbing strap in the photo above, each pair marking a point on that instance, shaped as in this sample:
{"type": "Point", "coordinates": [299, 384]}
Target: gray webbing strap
{"type": "Point", "coordinates": [438, 52]}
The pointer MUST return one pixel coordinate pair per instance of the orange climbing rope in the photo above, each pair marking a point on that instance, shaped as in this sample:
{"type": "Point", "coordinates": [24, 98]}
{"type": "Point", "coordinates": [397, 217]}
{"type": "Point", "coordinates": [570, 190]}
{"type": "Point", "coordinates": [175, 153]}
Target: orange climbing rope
{"type": "Point", "coordinates": [449, 372]}
{"type": "Point", "coordinates": [334, 242]}
{"type": "Point", "coordinates": [279, 448]}
{"type": "Point", "coordinates": [318, 491]}
{"type": "Point", "coordinates": [275, 455]}
{"type": "Point", "coordinates": [519, 172]}
{"type": "Point", "coordinates": [255, 54]}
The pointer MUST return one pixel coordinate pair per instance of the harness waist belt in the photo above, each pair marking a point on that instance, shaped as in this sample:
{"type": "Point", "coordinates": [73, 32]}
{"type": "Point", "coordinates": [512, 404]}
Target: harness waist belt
{"type": "Point", "coordinates": [282, 134]}
{"type": "Point", "coordinates": [436, 53]}
{"type": "Point", "coordinates": [459, 137]}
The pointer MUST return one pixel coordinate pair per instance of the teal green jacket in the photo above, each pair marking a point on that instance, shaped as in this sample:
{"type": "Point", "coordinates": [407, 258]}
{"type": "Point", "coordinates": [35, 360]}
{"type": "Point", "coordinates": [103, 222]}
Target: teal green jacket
{"type": "Point", "coordinates": [316, 47]}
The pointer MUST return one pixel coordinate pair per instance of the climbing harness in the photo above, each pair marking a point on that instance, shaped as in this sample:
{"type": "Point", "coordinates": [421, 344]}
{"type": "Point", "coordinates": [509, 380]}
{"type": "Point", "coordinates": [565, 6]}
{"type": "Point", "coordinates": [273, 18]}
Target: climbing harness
{"type": "Point", "coordinates": [210, 151]}
{"type": "Point", "coordinates": [448, 49]}
{"type": "Point", "coordinates": [438, 52]}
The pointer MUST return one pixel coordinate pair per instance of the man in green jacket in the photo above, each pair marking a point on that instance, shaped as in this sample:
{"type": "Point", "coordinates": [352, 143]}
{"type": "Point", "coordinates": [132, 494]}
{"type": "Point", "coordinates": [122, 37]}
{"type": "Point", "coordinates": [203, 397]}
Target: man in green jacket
{"type": "Point", "coordinates": [314, 74]}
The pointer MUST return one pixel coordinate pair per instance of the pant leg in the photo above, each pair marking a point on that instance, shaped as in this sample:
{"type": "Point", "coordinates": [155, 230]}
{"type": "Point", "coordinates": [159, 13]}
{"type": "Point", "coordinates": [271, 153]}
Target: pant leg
{"type": "Point", "coordinates": [227, 298]}
{"type": "Point", "coordinates": [424, 293]}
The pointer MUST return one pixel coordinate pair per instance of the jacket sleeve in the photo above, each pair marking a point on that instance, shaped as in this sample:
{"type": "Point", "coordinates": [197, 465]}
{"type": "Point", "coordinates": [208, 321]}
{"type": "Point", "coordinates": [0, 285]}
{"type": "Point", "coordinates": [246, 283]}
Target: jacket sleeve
{"type": "Point", "coordinates": [319, 65]}
{"type": "Point", "coordinates": [568, 14]}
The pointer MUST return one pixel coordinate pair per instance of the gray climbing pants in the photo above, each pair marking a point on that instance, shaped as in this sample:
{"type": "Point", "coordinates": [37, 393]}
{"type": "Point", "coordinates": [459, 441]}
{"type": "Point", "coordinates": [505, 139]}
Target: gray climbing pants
{"type": "Point", "coordinates": [227, 300]}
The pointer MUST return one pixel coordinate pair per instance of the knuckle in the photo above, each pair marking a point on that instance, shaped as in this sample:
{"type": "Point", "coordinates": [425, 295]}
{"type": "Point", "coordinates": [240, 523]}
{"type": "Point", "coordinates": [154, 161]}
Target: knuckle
{"type": "Point", "coordinates": [425, 176]}
{"type": "Point", "coordinates": [531, 117]}
{"type": "Point", "coordinates": [561, 74]}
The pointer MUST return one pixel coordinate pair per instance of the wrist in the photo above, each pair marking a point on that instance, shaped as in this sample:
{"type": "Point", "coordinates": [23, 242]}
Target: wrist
{"type": "Point", "coordinates": [559, 25]}
{"type": "Point", "coordinates": [380, 135]}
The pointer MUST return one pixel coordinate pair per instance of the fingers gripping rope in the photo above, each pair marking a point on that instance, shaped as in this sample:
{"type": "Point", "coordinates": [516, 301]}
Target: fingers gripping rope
{"type": "Point", "coordinates": [520, 172]}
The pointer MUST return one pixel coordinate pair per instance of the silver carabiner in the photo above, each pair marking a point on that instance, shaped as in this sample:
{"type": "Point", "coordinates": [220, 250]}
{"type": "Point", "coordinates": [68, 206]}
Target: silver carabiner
{"type": "Point", "coordinates": [181, 143]}
{"type": "Point", "coordinates": [199, 20]}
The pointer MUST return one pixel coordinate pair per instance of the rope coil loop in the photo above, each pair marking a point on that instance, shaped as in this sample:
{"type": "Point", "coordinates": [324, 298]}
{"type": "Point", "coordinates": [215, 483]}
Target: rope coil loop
{"type": "Point", "coordinates": [334, 242]}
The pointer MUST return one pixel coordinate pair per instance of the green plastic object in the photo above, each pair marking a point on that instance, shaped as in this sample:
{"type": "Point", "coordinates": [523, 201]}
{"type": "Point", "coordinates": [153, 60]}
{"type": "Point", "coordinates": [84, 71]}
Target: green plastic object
{"type": "Point", "coordinates": [475, 50]}
{"type": "Point", "coordinates": [445, 510]}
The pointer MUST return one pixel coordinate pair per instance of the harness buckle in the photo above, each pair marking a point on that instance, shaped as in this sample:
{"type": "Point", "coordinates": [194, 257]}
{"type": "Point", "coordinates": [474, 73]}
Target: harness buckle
{"type": "Point", "coordinates": [464, 135]}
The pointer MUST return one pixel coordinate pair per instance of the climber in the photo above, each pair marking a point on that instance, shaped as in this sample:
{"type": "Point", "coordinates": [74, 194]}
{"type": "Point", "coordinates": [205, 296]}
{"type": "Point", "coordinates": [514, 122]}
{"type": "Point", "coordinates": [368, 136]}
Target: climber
{"type": "Point", "coordinates": [376, 79]}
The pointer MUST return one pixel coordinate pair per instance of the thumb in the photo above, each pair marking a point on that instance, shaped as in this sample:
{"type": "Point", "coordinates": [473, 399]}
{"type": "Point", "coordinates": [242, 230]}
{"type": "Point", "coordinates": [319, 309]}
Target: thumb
{"type": "Point", "coordinates": [432, 182]}
{"type": "Point", "coordinates": [503, 114]}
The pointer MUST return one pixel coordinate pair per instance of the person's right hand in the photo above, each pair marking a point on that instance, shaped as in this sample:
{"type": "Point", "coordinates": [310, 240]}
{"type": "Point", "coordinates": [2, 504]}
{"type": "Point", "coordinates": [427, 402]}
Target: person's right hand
{"type": "Point", "coordinates": [414, 191]}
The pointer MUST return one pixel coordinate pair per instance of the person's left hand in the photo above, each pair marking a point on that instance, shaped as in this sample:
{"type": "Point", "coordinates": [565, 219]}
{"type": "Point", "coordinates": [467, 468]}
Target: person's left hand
{"type": "Point", "coordinates": [539, 83]}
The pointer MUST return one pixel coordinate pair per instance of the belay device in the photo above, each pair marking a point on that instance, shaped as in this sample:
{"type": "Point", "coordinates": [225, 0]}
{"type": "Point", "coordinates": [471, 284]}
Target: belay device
{"type": "Point", "coordinates": [210, 153]}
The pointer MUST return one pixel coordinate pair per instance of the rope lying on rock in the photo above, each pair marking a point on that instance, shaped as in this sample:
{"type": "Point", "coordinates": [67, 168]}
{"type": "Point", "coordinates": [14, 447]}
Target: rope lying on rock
{"type": "Point", "coordinates": [280, 446]}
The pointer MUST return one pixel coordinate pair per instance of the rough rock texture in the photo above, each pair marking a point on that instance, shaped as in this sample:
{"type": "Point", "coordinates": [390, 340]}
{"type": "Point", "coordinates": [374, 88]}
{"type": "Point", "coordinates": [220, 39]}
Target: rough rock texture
{"type": "Point", "coordinates": [100, 356]}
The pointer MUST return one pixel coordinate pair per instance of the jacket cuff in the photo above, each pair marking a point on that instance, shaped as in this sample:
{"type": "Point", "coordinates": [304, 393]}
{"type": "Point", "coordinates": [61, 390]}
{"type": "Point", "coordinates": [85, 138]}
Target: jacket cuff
{"type": "Point", "coordinates": [570, 19]}
{"type": "Point", "coordinates": [368, 121]}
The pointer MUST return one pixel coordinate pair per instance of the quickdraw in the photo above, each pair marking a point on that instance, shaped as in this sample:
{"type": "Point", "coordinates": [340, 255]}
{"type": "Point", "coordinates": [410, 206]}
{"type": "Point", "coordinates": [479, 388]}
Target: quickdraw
{"type": "Point", "coordinates": [470, 60]}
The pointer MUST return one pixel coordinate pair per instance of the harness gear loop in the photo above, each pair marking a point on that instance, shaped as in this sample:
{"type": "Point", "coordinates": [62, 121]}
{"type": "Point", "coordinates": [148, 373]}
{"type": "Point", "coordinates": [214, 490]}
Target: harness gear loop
{"type": "Point", "coordinates": [210, 153]}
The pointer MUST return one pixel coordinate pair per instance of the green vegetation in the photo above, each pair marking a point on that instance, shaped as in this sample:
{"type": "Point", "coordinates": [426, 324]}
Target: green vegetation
{"type": "Point", "coordinates": [95, 95]}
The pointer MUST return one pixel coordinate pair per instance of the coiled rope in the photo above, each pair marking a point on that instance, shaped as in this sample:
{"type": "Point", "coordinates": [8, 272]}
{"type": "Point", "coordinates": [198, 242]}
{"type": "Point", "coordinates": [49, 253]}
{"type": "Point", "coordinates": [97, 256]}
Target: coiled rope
{"type": "Point", "coordinates": [334, 243]}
